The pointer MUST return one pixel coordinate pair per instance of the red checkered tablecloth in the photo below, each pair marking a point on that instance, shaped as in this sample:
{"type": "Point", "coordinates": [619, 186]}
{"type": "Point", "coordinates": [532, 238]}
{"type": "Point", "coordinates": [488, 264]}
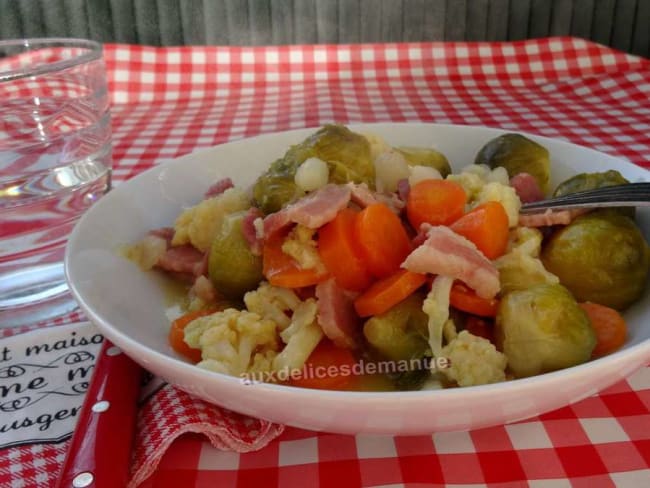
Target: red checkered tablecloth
{"type": "Point", "coordinates": [170, 101]}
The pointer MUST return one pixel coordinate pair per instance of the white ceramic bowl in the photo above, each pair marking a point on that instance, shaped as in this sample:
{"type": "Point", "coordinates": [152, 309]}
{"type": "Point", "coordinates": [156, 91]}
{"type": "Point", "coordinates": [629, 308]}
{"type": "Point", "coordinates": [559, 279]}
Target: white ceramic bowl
{"type": "Point", "coordinates": [129, 306]}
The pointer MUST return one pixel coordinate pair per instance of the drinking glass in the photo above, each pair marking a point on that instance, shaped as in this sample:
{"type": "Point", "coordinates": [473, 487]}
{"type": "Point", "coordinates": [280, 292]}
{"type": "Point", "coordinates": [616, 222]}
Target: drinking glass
{"type": "Point", "coordinates": [55, 161]}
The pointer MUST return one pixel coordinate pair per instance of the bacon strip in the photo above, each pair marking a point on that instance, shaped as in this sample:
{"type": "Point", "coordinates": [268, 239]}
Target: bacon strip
{"type": "Point", "coordinates": [201, 269]}
{"type": "Point", "coordinates": [219, 187]}
{"type": "Point", "coordinates": [249, 232]}
{"type": "Point", "coordinates": [449, 254]}
{"type": "Point", "coordinates": [204, 289]}
{"type": "Point", "coordinates": [312, 211]}
{"type": "Point", "coordinates": [527, 188]}
{"type": "Point", "coordinates": [403, 189]}
{"type": "Point", "coordinates": [361, 194]}
{"type": "Point", "coordinates": [182, 259]}
{"type": "Point", "coordinates": [551, 217]}
{"type": "Point", "coordinates": [166, 233]}
{"type": "Point", "coordinates": [364, 197]}
{"type": "Point", "coordinates": [336, 315]}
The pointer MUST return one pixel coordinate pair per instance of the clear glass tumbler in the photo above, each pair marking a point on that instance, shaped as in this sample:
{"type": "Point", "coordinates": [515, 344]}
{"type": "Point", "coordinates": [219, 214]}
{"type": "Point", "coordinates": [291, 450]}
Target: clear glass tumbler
{"type": "Point", "coordinates": [55, 161]}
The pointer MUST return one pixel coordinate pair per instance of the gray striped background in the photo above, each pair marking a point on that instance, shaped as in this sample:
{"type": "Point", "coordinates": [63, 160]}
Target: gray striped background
{"type": "Point", "coordinates": [622, 24]}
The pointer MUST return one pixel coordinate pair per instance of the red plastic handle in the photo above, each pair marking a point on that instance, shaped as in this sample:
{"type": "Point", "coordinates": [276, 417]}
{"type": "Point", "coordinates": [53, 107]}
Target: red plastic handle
{"type": "Point", "coordinates": [100, 451]}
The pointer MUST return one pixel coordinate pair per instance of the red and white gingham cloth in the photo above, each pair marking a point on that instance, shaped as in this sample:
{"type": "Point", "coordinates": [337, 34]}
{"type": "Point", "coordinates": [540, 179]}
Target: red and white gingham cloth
{"type": "Point", "coordinates": [170, 101]}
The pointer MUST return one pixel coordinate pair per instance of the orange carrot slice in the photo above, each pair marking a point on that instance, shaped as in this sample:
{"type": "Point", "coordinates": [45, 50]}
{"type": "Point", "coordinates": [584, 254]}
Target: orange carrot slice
{"type": "Point", "coordinates": [386, 293]}
{"type": "Point", "coordinates": [282, 270]}
{"type": "Point", "coordinates": [487, 227]}
{"type": "Point", "coordinates": [177, 334]}
{"type": "Point", "coordinates": [609, 326]}
{"type": "Point", "coordinates": [328, 367]}
{"type": "Point", "coordinates": [465, 299]}
{"type": "Point", "coordinates": [340, 253]}
{"type": "Point", "coordinates": [436, 202]}
{"type": "Point", "coordinates": [382, 239]}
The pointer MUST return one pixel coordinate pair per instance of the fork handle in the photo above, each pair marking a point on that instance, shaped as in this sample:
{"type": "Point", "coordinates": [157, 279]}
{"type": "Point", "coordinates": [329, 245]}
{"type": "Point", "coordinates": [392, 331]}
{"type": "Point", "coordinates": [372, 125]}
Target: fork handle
{"type": "Point", "coordinates": [627, 195]}
{"type": "Point", "coordinates": [100, 450]}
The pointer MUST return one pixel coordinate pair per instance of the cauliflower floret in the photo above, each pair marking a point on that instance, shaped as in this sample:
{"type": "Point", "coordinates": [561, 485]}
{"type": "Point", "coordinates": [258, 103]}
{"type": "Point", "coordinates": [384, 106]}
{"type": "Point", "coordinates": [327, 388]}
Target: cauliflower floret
{"type": "Point", "coordinates": [519, 271]}
{"type": "Point", "coordinates": [301, 246]}
{"type": "Point", "coordinates": [481, 184]}
{"type": "Point", "coordinates": [520, 268]}
{"type": "Point", "coordinates": [436, 306]}
{"type": "Point", "coordinates": [263, 361]}
{"type": "Point", "coordinates": [197, 225]}
{"type": "Point", "coordinates": [470, 181]}
{"type": "Point", "coordinates": [449, 331]}
{"type": "Point", "coordinates": [480, 170]}
{"type": "Point", "coordinates": [146, 252]}
{"type": "Point", "coordinates": [474, 361]}
{"type": "Point", "coordinates": [527, 240]}
{"type": "Point", "coordinates": [301, 337]}
{"type": "Point", "coordinates": [499, 175]}
{"type": "Point", "coordinates": [504, 194]}
{"type": "Point", "coordinates": [272, 303]}
{"type": "Point", "coordinates": [233, 341]}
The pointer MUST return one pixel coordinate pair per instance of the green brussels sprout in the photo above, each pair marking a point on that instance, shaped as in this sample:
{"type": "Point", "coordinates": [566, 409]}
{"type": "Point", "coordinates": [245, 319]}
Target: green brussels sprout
{"type": "Point", "coordinates": [411, 380]}
{"type": "Point", "coordinates": [422, 156]}
{"type": "Point", "coordinates": [401, 332]}
{"type": "Point", "coordinates": [519, 271]}
{"type": "Point", "coordinates": [601, 257]}
{"type": "Point", "coordinates": [591, 181]}
{"type": "Point", "coordinates": [232, 267]}
{"type": "Point", "coordinates": [543, 329]}
{"type": "Point", "coordinates": [346, 153]}
{"type": "Point", "coordinates": [272, 192]}
{"type": "Point", "coordinates": [520, 267]}
{"type": "Point", "coordinates": [517, 154]}
{"type": "Point", "coordinates": [277, 187]}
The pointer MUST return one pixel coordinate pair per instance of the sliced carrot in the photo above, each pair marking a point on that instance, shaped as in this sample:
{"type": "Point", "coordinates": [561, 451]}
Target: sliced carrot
{"type": "Point", "coordinates": [177, 334]}
{"type": "Point", "coordinates": [486, 226]}
{"type": "Point", "coordinates": [327, 368]}
{"type": "Point", "coordinates": [465, 299]}
{"type": "Point", "coordinates": [382, 239]}
{"type": "Point", "coordinates": [609, 326]}
{"type": "Point", "coordinates": [341, 254]}
{"type": "Point", "coordinates": [282, 270]}
{"type": "Point", "coordinates": [436, 202]}
{"type": "Point", "coordinates": [385, 293]}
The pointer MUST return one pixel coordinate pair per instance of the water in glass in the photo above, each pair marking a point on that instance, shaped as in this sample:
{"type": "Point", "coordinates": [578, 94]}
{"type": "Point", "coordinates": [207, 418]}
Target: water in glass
{"type": "Point", "coordinates": [55, 161]}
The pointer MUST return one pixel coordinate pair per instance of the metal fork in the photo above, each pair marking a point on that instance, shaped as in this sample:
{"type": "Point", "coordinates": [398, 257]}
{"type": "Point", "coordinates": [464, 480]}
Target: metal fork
{"type": "Point", "coordinates": [627, 195]}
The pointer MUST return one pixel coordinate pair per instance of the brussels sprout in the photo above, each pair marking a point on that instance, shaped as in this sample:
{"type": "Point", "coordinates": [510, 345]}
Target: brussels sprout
{"type": "Point", "coordinates": [411, 380]}
{"type": "Point", "coordinates": [543, 329]}
{"type": "Point", "coordinates": [401, 332]}
{"type": "Point", "coordinates": [517, 154]}
{"type": "Point", "coordinates": [346, 153]}
{"type": "Point", "coordinates": [591, 181]}
{"type": "Point", "coordinates": [521, 267]}
{"type": "Point", "coordinates": [277, 187]}
{"type": "Point", "coordinates": [421, 156]}
{"type": "Point", "coordinates": [601, 257]}
{"type": "Point", "coordinates": [519, 271]}
{"type": "Point", "coordinates": [232, 268]}
{"type": "Point", "coordinates": [272, 192]}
